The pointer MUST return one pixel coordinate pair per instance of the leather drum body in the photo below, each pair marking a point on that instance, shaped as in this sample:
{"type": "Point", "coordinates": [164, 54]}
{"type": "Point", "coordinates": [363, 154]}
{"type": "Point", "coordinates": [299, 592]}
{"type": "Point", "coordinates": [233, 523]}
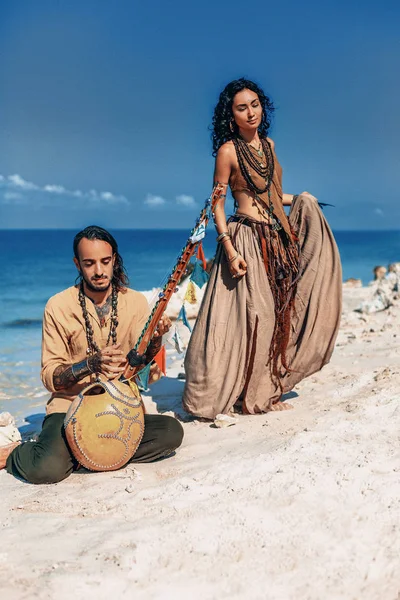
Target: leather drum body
{"type": "Point", "coordinates": [104, 425]}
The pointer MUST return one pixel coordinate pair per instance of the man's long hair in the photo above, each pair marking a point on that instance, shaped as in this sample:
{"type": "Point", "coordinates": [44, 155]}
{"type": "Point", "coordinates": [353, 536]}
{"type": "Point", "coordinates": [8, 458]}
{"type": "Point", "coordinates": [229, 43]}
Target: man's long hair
{"type": "Point", "coordinates": [120, 279]}
{"type": "Point", "coordinates": [223, 116]}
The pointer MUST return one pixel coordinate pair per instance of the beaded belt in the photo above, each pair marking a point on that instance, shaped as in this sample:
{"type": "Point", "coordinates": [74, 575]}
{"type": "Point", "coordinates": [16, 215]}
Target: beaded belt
{"type": "Point", "coordinates": [246, 220]}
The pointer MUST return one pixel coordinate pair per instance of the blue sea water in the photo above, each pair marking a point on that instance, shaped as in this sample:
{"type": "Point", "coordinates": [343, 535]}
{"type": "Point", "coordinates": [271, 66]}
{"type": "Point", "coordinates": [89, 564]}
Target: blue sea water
{"type": "Point", "coordinates": [38, 263]}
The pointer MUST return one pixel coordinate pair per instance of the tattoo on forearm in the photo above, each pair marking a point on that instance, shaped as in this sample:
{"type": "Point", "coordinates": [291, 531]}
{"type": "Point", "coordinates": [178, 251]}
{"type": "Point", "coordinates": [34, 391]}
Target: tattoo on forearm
{"type": "Point", "coordinates": [153, 348]}
{"type": "Point", "coordinates": [94, 363]}
{"type": "Point", "coordinates": [63, 377]}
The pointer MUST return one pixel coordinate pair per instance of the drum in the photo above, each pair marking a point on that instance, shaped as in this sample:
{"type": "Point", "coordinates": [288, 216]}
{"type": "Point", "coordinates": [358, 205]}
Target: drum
{"type": "Point", "coordinates": [105, 424]}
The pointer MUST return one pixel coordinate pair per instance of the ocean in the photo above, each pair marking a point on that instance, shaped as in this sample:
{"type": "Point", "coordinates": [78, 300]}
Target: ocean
{"type": "Point", "coordinates": [38, 263]}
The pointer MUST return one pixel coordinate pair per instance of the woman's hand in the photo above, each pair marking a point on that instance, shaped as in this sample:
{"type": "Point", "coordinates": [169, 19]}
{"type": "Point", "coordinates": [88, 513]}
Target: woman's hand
{"type": "Point", "coordinates": [309, 196]}
{"type": "Point", "coordinates": [237, 267]}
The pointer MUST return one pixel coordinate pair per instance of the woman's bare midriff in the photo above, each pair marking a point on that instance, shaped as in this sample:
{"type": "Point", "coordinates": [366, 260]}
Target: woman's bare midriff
{"type": "Point", "coordinates": [247, 206]}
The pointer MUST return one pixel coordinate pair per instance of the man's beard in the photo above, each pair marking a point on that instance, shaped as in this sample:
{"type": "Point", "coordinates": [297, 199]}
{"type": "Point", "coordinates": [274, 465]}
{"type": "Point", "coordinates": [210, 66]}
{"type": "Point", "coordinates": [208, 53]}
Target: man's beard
{"type": "Point", "coordinates": [91, 285]}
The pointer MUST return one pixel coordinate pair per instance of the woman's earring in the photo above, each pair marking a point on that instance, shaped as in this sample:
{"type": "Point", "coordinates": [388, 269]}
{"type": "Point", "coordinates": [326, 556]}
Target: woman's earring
{"type": "Point", "coordinates": [231, 126]}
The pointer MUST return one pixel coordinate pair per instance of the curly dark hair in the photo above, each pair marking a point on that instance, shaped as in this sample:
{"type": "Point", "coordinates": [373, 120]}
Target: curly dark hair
{"type": "Point", "coordinates": [223, 114]}
{"type": "Point", "coordinates": [93, 232]}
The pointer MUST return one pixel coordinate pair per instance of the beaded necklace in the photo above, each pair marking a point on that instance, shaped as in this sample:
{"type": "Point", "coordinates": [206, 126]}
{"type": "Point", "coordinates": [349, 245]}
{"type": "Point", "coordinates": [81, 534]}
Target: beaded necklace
{"type": "Point", "coordinates": [259, 150]}
{"type": "Point", "coordinates": [247, 161]}
{"type": "Point", "coordinates": [112, 334]}
{"type": "Point", "coordinates": [265, 169]}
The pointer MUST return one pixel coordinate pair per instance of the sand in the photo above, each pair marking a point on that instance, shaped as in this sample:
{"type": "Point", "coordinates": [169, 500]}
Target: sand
{"type": "Point", "coordinates": [300, 504]}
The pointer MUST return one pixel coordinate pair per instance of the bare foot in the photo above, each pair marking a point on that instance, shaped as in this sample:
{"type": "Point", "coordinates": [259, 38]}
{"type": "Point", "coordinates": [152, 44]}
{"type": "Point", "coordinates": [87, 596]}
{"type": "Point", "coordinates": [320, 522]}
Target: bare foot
{"type": "Point", "coordinates": [237, 407]}
{"type": "Point", "coordinates": [281, 406]}
{"type": "Point", "coordinates": [5, 452]}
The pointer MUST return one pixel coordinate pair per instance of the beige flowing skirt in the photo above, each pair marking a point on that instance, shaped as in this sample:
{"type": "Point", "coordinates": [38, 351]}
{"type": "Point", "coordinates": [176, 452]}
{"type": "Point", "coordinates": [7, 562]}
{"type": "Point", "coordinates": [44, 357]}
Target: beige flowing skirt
{"type": "Point", "coordinates": [228, 353]}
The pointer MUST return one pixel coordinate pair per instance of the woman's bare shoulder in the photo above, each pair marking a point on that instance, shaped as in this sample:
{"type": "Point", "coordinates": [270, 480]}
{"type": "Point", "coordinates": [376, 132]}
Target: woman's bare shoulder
{"type": "Point", "coordinates": [226, 155]}
{"type": "Point", "coordinates": [271, 142]}
{"type": "Point", "coordinates": [227, 149]}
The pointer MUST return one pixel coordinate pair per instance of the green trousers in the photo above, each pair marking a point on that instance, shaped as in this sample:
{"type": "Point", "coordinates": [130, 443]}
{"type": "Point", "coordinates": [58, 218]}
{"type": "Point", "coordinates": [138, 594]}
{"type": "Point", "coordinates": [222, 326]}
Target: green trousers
{"type": "Point", "coordinates": [50, 460]}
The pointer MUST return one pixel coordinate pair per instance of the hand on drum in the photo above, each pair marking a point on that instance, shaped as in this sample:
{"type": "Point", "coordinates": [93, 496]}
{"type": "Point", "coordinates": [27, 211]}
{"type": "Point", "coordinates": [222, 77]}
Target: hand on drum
{"type": "Point", "coordinates": [238, 267]}
{"type": "Point", "coordinates": [110, 361]}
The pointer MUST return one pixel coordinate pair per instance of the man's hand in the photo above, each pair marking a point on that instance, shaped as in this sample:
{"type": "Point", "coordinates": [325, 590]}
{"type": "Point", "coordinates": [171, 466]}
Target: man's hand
{"type": "Point", "coordinates": [163, 326]}
{"type": "Point", "coordinates": [110, 361]}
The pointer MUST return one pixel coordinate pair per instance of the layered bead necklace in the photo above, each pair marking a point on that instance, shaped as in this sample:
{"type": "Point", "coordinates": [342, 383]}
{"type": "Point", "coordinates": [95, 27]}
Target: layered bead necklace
{"type": "Point", "coordinates": [246, 159]}
{"type": "Point", "coordinates": [264, 168]}
{"type": "Point", "coordinates": [112, 334]}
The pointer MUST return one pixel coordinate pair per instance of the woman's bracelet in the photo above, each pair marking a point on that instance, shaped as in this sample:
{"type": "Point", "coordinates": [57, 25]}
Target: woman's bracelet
{"type": "Point", "coordinates": [226, 239]}
{"type": "Point", "coordinates": [230, 260]}
{"type": "Point", "coordinates": [222, 235]}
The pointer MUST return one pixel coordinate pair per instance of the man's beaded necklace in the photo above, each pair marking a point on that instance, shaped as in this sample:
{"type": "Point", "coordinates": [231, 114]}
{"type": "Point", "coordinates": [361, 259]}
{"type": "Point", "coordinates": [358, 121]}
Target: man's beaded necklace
{"type": "Point", "coordinates": [112, 335]}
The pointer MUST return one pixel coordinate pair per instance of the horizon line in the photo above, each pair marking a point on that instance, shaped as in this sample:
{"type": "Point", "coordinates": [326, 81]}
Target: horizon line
{"type": "Point", "coordinates": [163, 229]}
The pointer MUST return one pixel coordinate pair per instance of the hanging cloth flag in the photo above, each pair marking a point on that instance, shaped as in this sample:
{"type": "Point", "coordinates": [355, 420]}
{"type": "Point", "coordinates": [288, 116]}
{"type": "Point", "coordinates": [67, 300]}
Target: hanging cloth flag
{"type": "Point", "coordinates": [183, 317]}
{"type": "Point", "coordinates": [199, 276]}
{"type": "Point", "coordinates": [201, 256]}
{"type": "Point", "coordinates": [143, 378]}
{"type": "Point", "coordinates": [161, 360]}
{"type": "Point", "coordinates": [199, 232]}
{"type": "Point", "coordinates": [134, 387]}
{"type": "Point", "coordinates": [176, 340]}
{"type": "Point", "coordinates": [190, 295]}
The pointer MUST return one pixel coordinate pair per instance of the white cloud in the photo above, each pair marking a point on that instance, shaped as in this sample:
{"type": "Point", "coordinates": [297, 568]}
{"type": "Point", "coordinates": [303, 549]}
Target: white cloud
{"type": "Point", "coordinates": [9, 196]}
{"type": "Point", "coordinates": [55, 189]}
{"type": "Point", "coordinates": [378, 211]}
{"type": "Point", "coordinates": [16, 182]}
{"type": "Point", "coordinates": [154, 200]}
{"type": "Point", "coordinates": [108, 197]}
{"type": "Point", "coordinates": [112, 198]}
{"type": "Point", "coordinates": [185, 200]}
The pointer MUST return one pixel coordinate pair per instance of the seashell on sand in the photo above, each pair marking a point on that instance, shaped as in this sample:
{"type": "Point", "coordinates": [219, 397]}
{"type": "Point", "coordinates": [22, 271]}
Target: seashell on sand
{"type": "Point", "coordinates": [8, 431]}
{"type": "Point", "coordinates": [8, 435]}
{"type": "Point", "coordinates": [224, 421]}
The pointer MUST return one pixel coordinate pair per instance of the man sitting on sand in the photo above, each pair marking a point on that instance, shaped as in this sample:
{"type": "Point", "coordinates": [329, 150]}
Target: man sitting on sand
{"type": "Point", "coordinates": [87, 329]}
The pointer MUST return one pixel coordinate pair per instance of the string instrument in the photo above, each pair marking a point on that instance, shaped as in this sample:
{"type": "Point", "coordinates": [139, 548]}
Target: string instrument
{"type": "Point", "coordinates": [105, 423]}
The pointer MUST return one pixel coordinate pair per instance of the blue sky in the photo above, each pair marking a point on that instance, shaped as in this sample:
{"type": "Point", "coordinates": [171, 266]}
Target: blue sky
{"type": "Point", "coordinates": [105, 106]}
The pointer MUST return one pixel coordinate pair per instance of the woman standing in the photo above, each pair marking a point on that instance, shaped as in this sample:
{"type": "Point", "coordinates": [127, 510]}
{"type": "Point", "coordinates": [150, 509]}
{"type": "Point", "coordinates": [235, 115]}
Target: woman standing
{"type": "Point", "coordinates": [271, 311]}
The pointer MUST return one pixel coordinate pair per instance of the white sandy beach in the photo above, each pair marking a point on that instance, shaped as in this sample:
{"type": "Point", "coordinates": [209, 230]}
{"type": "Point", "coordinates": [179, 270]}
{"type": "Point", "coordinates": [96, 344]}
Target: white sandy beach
{"type": "Point", "coordinates": [300, 504]}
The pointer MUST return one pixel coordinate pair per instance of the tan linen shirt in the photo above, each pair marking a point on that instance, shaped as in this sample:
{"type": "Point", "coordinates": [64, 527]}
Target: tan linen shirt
{"type": "Point", "coordinates": [64, 337]}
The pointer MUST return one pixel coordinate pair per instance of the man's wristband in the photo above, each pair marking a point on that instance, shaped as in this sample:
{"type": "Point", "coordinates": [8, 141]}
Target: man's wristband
{"type": "Point", "coordinates": [81, 369]}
